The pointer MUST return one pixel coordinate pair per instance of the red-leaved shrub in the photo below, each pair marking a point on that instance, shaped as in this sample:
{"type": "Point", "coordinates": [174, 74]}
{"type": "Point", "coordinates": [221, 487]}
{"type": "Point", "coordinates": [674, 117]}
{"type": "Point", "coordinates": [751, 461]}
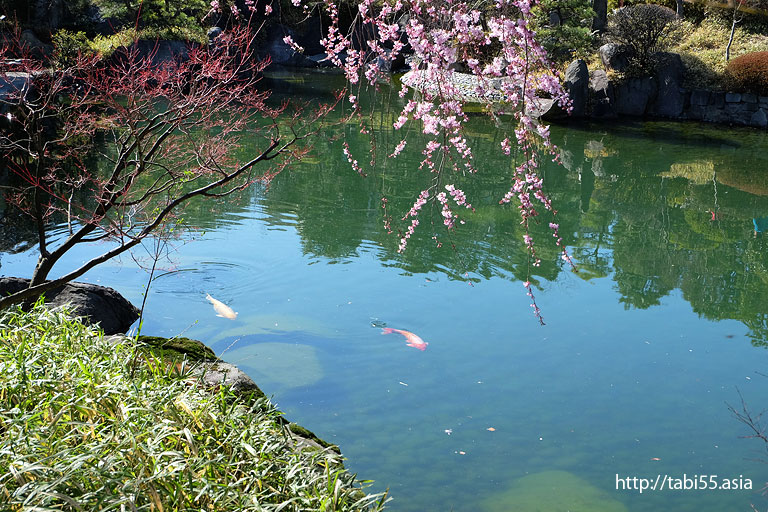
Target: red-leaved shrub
{"type": "Point", "coordinates": [749, 73]}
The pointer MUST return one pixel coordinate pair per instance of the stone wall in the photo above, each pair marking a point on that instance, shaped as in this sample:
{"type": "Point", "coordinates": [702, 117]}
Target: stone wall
{"type": "Point", "coordinates": [661, 95]}
{"type": "Point", "coordinates": [727, 107]}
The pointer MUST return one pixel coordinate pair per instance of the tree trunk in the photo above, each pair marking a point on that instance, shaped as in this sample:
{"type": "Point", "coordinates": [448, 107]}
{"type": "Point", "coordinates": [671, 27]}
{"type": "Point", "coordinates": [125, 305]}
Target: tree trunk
{"type": "Point", "coordinates": [42, 269]}
{"type": "Point", "coordinates": [48, 14]}
{"type": "Point", "coordinates": [736, 20]}
{"type": "Point", "coordinates": [600, 20]}
{"type": "Point", "coordinates": [730, 39]}
{"type": "Point", "coordinates": [679, 9]}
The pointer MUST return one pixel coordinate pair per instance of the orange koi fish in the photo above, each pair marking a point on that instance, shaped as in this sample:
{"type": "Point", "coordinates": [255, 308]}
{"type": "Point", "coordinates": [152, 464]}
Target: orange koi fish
{"type": "Point", "coordinates": [412, 340]}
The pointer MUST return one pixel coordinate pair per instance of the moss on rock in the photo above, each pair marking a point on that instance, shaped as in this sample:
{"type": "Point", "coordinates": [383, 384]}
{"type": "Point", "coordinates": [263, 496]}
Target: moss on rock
{"type": "Point", "coordinates": [308, 434]}
{"type": "Point", "coordinates": [180, 347]}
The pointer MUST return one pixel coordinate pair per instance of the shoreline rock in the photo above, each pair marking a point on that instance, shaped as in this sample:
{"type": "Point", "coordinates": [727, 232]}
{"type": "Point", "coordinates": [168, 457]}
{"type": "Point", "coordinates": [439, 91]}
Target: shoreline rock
{"type": "Point", "coordinates": [96, 304]}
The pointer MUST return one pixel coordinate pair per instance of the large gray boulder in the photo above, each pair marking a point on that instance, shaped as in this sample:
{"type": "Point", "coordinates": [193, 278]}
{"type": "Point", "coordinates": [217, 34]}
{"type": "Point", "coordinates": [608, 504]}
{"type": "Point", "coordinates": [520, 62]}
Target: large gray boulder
{"type": "Point", "coordinates": [161, 51]}
{"type": "Point", "coordinates": [96, 304]}
{"type": "Point", "coordinates": [634, 95]}
{"type": "Point", "coordinates": [36, 48]}
{"type": "Point", "coordinates": [48, 13]}
{"type": "Point", "coordinates": [615, 57]}
{"type": "Point", "coordinates": [601, 96]}
{"type": "Point", "coordinates": [670, 98]}
{"type": "Point", "coordinates": [577, 85]}
{"type": "Point", "coordinates": [218, 373]}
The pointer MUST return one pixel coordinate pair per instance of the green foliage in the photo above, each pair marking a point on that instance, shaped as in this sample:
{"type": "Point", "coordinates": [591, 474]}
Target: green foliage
{"type": "Point", "coordinates": [179, 15]}
{"type": "Point", "coordinates": [89, 422]}
{"type": "Point", "coordinates": [68, 46]}
{"type": "Point", "coordinates": [749, 73]}
{"type": "Point", "coordinates": [106, 45]}
{"type": "Point", "coordinates": [645, 29]}
{"type": "Point", "coordinates": [572, 37]}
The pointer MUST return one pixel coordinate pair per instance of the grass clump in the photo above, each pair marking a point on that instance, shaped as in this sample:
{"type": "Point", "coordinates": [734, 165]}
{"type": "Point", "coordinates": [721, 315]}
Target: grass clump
{"type": "Point", "coordinates": [89, 422]}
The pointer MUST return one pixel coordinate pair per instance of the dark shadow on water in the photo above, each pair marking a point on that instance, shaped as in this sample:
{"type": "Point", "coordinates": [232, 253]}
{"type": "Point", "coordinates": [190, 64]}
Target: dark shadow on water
{"type": "Point", "coordinates": [679, 133]}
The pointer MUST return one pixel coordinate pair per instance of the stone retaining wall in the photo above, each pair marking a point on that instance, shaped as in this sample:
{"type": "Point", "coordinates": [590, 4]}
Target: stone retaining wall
{"type": "Point", "coordinates": [727, 107]}
{"type": "Point", "coordinates": [661, 95]}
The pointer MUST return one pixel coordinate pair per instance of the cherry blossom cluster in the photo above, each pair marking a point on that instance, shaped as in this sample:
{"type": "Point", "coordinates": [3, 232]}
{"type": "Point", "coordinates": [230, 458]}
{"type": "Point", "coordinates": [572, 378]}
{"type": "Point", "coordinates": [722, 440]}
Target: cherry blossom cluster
{"type": "Point", "coordinates": [251, 5]}
{"type": "Point", "coordinates": [509, 70]}
{"type": "Point", "coordinates": [449, 217]}
{"type": "Point", "coordinates": [413, 213]}
{"type": "Point", "coordinates": [534, 306]}
{"type": "Point", "coordinates": [352, 161]}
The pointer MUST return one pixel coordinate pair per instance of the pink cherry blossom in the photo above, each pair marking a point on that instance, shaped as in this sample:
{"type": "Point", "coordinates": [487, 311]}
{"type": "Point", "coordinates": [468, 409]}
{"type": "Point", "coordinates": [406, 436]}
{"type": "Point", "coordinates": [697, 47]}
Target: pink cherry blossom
{"type": "Point", "coordinates": [440, 33]}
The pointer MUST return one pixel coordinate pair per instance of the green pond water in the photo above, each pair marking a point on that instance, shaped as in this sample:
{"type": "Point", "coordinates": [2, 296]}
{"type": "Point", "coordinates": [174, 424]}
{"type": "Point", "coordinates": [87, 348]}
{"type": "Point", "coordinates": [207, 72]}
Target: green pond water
{"type": "Point", "coordinates": [664, 325]}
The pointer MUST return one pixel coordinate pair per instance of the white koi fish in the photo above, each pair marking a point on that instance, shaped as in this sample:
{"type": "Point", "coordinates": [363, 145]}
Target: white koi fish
{"type": "Point", "coordinates": [221, 309]}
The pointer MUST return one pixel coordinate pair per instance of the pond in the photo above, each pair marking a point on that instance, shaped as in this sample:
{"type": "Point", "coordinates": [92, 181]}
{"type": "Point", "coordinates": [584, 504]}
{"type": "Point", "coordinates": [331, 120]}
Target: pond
{"type": "Point", "coordinates": [663, 326]}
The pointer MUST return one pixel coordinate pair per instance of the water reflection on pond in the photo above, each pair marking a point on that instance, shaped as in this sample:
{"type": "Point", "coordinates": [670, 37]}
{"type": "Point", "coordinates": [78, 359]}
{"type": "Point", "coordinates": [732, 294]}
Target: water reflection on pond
{"type": "Point", "coordinates": [664, 321]}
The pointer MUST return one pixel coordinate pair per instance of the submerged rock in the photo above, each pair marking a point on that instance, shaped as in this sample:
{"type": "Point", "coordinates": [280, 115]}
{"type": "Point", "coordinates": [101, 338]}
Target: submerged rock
{"type": "Point", "coordinates": [277, 363]}
{"type": "Point", "coordinates": [553, 490]}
